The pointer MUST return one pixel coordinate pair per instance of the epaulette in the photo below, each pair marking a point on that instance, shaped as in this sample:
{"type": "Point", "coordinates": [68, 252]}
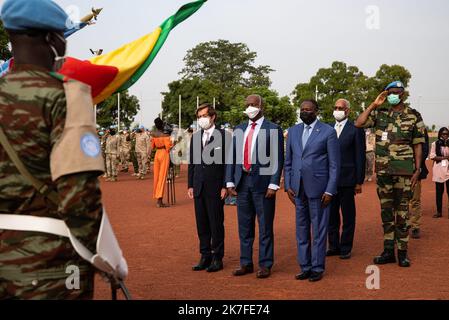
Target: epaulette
{"type": "Point", "coordinates": [416, 112]}
{"type": "Point", "coordinates": [59, 76]}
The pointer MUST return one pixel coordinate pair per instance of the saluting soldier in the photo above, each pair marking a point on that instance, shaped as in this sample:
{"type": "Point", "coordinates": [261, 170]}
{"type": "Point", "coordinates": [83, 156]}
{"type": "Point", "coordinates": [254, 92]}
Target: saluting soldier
{"type": "Point", "coordinates": [399, 133]}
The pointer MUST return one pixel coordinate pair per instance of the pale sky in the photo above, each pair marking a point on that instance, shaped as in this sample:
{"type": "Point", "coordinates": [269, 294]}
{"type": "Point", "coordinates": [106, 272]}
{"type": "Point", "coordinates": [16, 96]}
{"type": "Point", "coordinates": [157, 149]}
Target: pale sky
{"type": "Point", "coordinates": [294, 37]}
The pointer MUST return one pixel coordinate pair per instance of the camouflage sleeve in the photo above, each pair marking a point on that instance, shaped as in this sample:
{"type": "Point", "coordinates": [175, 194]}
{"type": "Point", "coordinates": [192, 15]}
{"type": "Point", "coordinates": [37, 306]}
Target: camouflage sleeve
{"type": "Point", "coordinates": [371, 122]}
{"type": "Point", "coordinates": [419, 130]}
{"type": "Point", "coordinates": [79, 194]}
{"type": "Point", "coordinates": [80, 206]}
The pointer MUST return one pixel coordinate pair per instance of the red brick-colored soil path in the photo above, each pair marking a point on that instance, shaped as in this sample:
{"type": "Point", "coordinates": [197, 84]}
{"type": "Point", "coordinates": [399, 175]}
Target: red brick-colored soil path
{"type": "Point", "coordinates": [161, 246]}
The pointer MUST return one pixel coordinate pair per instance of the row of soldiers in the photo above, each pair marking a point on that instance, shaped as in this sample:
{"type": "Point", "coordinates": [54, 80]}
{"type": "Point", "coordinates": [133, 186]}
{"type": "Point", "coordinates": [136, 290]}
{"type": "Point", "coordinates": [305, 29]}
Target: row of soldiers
{"type": "Point", "coordinates": [119, 149]}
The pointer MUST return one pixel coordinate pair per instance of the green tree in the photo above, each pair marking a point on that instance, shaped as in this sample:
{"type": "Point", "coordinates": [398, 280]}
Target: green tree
{"type": "Point", "coordinates": [227, 72]}
{"type": "Point", "coordinates": [338, 81]}
{"type": "Point", "coordinates": [278, 109]}
{"type": "Point", "coordinates": [348, 82]}
{"type": "Point", "coordinates": [226, 64]}
{"type": "Point", "coordinates": [5, 53]}
{"type": "Point", "coordinates": [189, 90]}
{"type": "Point", "coordinates": [107, 113]}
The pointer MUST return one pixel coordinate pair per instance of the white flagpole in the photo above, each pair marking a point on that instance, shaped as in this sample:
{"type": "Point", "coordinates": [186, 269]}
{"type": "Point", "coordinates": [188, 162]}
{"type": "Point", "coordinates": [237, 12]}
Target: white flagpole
{"type": "Point", "coordinates": [118, 111]}
{"type": "Point", "coordinates": [179, 112]}
{"type": "Point", "coordinates": [162, 108]}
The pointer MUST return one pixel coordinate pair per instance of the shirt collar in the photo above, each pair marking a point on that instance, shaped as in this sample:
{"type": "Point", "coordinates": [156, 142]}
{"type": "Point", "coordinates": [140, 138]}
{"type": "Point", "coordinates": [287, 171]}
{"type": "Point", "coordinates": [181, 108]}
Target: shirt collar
{"type": "Point", "coordinates": [210, 130]}
{"type": "Point", "coordinates": [312, 125]}
{"type": "Point", "coordinates": [343, 123]}
{"type": "Point", "coordinates": [259, 122]}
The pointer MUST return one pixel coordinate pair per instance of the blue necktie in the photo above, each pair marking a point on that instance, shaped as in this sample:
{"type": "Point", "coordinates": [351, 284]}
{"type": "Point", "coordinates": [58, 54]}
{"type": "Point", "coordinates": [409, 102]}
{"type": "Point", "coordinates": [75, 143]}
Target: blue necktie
{"type": "Point", "coordinates": [305, 136]}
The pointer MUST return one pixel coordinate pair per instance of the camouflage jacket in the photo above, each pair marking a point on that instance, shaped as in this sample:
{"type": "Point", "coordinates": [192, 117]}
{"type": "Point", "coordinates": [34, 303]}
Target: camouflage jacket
{"type": "Point", "coordinates": [125, 142]}
{"type": "Point", "coordinates": [396, 133]}
{"type": "Point", "coordinates": [112, 145]}
{"type": "Point", "coordinates": [32, 114]}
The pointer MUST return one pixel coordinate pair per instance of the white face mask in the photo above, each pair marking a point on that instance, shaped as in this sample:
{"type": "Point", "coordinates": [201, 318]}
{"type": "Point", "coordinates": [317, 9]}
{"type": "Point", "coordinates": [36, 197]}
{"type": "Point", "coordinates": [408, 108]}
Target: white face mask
{"type": "Point", "coordinates": [204, 123]}
{"type": "Point", "coordinates": [339, 115]}
{"type": "Point", "coordinates": [252, 112]}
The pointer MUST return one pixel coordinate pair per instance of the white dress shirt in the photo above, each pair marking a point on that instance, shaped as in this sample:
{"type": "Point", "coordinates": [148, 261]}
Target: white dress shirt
{"type": "Point", "coordinates": [207, 134]}
{"type": "Point", "coordinates": [342, 126]}
{"type": "Point", "coordinates": [259, 122]}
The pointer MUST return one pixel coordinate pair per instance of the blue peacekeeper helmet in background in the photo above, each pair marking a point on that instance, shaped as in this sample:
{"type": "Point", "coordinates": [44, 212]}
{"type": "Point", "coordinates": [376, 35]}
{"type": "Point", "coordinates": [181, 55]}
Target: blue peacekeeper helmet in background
{"type": "Point", "coordinates": [22, 15]}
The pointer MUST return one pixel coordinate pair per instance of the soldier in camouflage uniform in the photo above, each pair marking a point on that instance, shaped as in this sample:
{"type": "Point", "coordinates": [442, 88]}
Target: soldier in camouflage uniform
{"type": "Point", "coordinates": [103, 136]}
{"type": "Point", "coordinates": [399, 133]}
{"type": "Point", "coordinates": [370, 146]}
{"type": "Point", "coordinates": [33, 116]}
{"type": "Point", "coordinates": [142, 149]}
{"type": "Point", "coordinates": [112, 154]}
{"type": "Point", "coordinates": [125, 148]}
{"type": "Point", "coordinates": [133, 154]}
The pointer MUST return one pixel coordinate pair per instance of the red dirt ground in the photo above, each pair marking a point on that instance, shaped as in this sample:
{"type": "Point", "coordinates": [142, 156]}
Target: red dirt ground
{"type": "Point", "coordinates": [161, 246]}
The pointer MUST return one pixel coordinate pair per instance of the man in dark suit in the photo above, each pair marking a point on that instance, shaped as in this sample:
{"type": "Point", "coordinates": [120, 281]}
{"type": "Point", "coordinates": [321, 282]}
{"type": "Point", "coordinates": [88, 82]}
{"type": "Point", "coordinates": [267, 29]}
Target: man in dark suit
{"type": "Point", "coordinates": [253, 175]}
{"type": "Point", "coordinates": [208, 188]}
{"type": "Point", "coordinates": [312, 169]}
{"type": "Point", "coordinates": [352, 175]}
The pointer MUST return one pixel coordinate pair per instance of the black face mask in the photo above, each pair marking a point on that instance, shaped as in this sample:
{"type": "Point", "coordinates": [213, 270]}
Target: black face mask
{"type": "Point", "coordinates": [307, 117]}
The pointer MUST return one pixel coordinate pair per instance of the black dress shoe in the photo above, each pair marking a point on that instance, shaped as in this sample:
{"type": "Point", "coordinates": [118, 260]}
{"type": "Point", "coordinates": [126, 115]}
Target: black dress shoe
{"type": "Point", "coordinates": [263, 273]}
{"type": "Point", "coordinates": [243, 270]}
{"type": "Point", "coordinates": [345, 256]}
{"type": "Point", "coordinates": [403, 259]}
{"type": "Point", "coordinates": [316, 276]}
{"type": "Point", "coordinates": [332, 252]}
{"type": "Point", "coordinates": [416, 234]}
{"type": "Point", "coordinates": [386, 257]}
{"type": "Point", "coordinates": [203, 264]}
{"type": "Point", "coordinates": [215, 266]}
{"type": "Point", "coordinates": [303, 275]}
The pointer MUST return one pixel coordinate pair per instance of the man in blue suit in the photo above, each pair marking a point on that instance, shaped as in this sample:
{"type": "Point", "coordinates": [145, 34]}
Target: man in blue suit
{"type": "Point", "coordinates": [352, 174]}
{"type": "Point", "coordinates": [253, 175]}
{"type": "Point", "coordinates": [312, 169]}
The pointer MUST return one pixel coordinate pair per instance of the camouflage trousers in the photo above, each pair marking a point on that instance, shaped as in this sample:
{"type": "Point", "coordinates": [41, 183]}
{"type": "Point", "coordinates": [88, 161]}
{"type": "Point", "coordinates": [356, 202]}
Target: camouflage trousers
{"type": "Point", "coordinates": [369, 167]}
{"type": "Point", "coordinates": [394, 194]}
{"type": "Point", "coordinates": [142, 160]}
{"type": "Point", "coordinates": [415, 207]}
{"type": "Point", "coordinates": [133, 157]}
{"type": "Point", "coordinates": [43, 285]}
{"type": "Point", "coordinates": [124, 158]}
{"type": "Point", "coordinates": [111, 165]}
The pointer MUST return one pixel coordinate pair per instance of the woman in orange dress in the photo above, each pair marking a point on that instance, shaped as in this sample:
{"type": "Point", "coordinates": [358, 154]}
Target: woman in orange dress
{"type": "Point", "coordinates": [162, 142]}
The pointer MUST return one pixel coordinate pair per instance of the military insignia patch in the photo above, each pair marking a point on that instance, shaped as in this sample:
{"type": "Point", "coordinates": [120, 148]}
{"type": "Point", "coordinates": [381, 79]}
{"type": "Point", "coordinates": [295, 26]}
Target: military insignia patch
{"type": "Point", "coordinates": [90, 145]}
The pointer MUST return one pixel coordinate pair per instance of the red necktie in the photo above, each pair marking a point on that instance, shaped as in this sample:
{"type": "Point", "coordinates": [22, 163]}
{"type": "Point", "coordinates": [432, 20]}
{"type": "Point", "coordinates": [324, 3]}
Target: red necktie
{"type": "Point", "coordinates": [248, 144]}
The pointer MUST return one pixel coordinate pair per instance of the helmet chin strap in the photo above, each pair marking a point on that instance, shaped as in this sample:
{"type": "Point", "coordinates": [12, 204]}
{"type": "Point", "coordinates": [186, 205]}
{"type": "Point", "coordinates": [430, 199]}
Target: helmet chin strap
{"type": "Point", "coordinates": [58, 60]}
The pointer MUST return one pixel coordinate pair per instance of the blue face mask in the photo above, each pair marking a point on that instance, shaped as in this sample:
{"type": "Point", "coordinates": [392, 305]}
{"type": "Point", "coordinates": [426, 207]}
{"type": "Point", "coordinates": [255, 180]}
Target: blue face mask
{"type": "Point", "coordinates": [101, 133]}
{"type": "Point", "coordinates": [394, 99]}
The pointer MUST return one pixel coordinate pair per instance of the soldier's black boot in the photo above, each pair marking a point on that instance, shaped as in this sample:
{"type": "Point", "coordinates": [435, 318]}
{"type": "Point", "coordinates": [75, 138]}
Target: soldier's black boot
{"type": "Point", "coordinates": [386, 257]}
{"type": "Point", "coordinates": [403, 259]}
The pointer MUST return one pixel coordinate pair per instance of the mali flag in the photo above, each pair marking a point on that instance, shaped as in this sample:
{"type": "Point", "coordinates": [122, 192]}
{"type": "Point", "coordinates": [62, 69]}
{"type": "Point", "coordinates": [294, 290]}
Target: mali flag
{"type": "Point", "coordinates": [120, 69]}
